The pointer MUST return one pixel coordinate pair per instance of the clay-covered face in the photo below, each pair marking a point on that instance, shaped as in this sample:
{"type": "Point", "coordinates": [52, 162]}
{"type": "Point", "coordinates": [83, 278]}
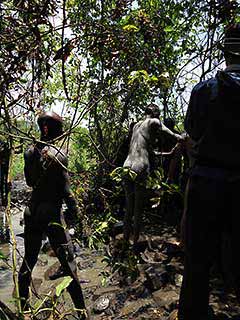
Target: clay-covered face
{"type": "Point", "coordinates": [45, 129]}
{"type": "Point", "coordinates": [50, 125]}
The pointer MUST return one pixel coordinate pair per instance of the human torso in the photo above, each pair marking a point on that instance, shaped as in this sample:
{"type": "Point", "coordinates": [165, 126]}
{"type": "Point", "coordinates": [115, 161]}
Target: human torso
{"type": "Point", "coordinates": [44, 176]}
{"type": "Point", "coordinates": [216, 105]}
{"type": "Point", "coordinates": [141, 146]}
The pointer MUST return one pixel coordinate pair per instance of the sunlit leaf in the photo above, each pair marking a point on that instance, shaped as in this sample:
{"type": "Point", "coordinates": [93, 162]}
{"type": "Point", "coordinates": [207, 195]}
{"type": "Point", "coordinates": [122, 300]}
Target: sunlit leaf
{"type": "Point", "coordinates": [168, 29]}
{"type": "Point", "coordinates": [2, 256]}
{"type": "Point", "coordinates": [63, 285]}
{"type": "Point", "coordinates": [130, 27]}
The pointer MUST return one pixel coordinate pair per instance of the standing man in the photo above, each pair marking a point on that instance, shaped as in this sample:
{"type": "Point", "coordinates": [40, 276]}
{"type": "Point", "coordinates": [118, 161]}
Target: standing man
{"type": "Point", "coordinates": [212, 193]}
{"type": "Point", "coordinates": [45, 171]}
{"type": "Point", "coordinates": [140, 161]}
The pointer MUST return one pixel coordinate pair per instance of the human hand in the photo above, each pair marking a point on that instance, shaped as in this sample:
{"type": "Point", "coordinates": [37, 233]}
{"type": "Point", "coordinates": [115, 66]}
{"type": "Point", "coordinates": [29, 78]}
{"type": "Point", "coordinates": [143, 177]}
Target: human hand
{"type": "Point", "coordinates": [179, 137]}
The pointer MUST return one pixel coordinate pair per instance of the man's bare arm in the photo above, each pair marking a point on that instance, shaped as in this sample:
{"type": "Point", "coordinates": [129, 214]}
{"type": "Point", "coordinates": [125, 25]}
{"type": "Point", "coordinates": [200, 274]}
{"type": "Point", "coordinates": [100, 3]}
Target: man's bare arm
{"type": "Point", "coordinates": [170, 153]}
{"type": "Point", "coordinates": [178, 137]}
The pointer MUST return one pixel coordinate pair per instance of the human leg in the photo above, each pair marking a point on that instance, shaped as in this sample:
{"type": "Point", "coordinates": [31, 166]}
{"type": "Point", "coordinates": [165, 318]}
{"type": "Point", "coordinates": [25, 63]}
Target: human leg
{"type": "Point", "coordinates": [32, 245]}
{"type": "Point", "coordinates": [233, 237]}
{"type": "Point", "coordinates": [204, 202]}
{"type": "Point", "coordinates": [129, 195]}
{"type": "Point", "coordinates": [139, 196]}
{"type": "Point", "coordinates": [62, 246]}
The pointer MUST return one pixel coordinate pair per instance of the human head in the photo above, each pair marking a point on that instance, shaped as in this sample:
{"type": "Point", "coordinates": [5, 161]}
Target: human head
{"type": "Point", "coordinates": [50, 125]}
{"type": "Point", "coordinates": [153, 110]}
{"type": "Point", "coordinates": [231, 44]}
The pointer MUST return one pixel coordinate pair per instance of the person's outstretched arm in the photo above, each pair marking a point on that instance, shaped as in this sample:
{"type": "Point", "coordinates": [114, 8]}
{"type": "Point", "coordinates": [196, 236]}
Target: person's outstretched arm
{"type": "Point", "coordinates": [159, 127]}
{"type": "Point", "coordinates": [178, 137]}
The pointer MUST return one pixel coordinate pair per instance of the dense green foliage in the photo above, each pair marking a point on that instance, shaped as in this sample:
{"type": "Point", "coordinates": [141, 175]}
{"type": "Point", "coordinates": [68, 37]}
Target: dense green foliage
{"type": "Point", "coordinates": [106, 59]}
{"type": "Point", "coordinates": [99, 62]}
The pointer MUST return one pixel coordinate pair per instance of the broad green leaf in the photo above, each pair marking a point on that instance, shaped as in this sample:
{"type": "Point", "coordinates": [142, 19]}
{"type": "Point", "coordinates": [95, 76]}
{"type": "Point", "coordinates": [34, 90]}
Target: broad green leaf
{"type": "Point", "coordinates": [104, 225]}
{"type": "Point", "coordinates": [63, 285]}
{"type": "Point", "coordinates": [130, 27]}
{"type": "Point", "coordinates": [56, 224]}
{"type": "Point", "coordinates": [168, 29]}
{"type": "Point", "coordinates": [2, 256]}
{"type": "Point", "coordinates": [154, 78]}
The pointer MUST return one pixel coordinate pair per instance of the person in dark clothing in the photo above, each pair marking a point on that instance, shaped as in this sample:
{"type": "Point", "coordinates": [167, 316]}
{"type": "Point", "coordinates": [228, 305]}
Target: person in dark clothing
{"type": "Point", "coordinates": [183, 149]}
{"type": "Point", "coordinates": [167, 144]}
{"type": "Point", "coordinates": [4, 166]}
{"type": "Point", "coordinates": [212, 206]}
{"type": "Point", "coordinates": [139, 161]}
{"type": "Point", "coordinates": [46, 172]}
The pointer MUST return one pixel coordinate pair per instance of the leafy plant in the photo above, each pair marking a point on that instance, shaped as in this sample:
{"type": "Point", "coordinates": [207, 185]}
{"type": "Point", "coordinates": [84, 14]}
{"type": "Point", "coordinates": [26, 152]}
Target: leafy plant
{"type": "Point", "coordinates": [120, 173]}
{"type": "Point", "coordinates": [100, 231]}
{"type": "Point", "coordinates": [121, 260]}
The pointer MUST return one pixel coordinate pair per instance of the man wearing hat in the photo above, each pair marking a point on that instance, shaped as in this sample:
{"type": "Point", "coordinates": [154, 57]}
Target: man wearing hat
{"type": "Point", "coordinates": [212, 193]}
{"type": "Point", "coordinates": [46, 172]}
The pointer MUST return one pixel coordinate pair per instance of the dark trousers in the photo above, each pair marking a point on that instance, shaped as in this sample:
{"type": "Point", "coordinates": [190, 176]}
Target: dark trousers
{"type": "Point", "coordinates": [211, 211]}
{"type": "Point", "coordinates": [46, 218]}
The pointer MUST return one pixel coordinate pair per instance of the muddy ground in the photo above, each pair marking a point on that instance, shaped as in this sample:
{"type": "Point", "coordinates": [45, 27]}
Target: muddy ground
{"type": "Point", "coordinates": [149, 291]}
